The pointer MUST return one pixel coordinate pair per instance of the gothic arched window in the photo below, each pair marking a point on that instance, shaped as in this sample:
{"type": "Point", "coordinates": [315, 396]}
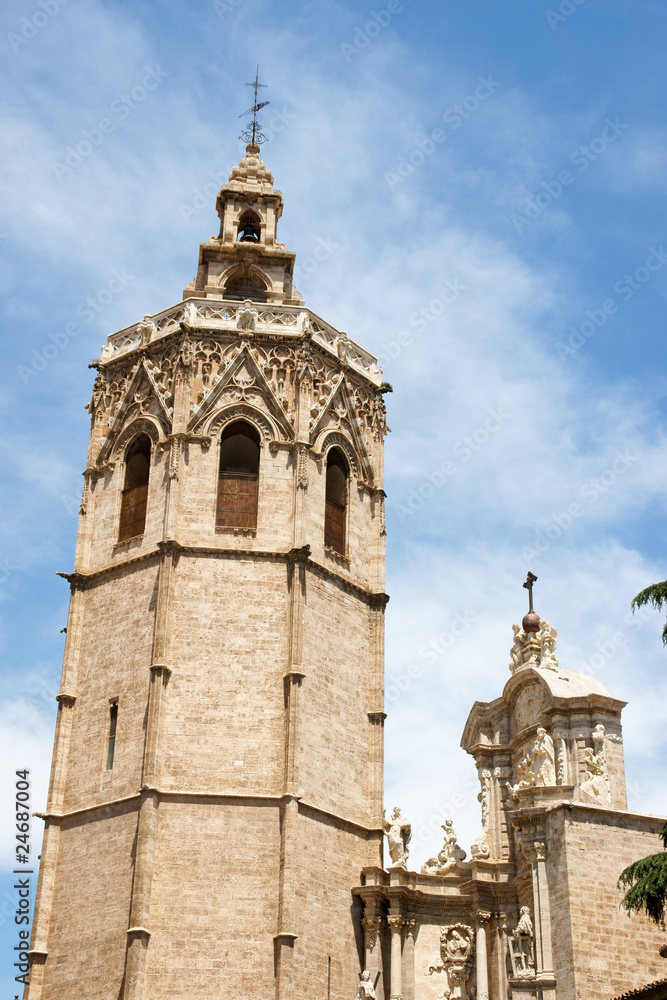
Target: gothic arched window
{"type": "Point", "coordinates": [244, 285]}
{"type": "Point", "coordinates": [336, 501]}
{"type": "Point", "coordinates": [135, 491]}
{"type": "Point", "coordinates": [239, 477]}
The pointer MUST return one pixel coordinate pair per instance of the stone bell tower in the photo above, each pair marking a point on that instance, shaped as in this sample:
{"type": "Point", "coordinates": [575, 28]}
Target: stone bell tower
{"type": "Point", "coordinates": [216, 785]}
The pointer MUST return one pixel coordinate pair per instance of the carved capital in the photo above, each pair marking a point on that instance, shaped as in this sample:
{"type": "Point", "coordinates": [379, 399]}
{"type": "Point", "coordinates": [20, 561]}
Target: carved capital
{"type": "Point", "coordinates": [169, 547]}
{"type": "Point", "coordinates": [299, 555]}
{"type": "Point", "coordinates": [394, 922]}
{"type": "Point", "coordinates": [77, 581]}
{"type": "Point", "coordinates": [371, 926]}
{"type": "Point", "coordinates": [410, 926]}
{"type": "Point", "coordinates": [67, 700]}
{"type": "Point", "coordinates": [379, 601]}
{"type": "Point", "coordinates": [483, 917]}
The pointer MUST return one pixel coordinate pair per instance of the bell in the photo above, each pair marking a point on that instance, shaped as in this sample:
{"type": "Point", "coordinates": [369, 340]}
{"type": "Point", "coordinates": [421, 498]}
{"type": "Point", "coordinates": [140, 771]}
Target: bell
{"type": "Point", "coordinates": [248, 235]}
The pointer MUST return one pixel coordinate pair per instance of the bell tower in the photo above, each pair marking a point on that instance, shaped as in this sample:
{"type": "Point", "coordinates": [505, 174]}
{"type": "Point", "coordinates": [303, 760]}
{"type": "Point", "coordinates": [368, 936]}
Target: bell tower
{"type": "Point", "coordinates": [216, 786]}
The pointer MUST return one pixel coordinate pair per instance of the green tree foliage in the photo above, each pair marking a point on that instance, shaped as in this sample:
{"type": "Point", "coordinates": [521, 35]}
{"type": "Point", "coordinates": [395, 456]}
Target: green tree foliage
{"type": "Point", "coordinates": [647, 881]}
{"type": "Point", "coordinates": [656, 596]}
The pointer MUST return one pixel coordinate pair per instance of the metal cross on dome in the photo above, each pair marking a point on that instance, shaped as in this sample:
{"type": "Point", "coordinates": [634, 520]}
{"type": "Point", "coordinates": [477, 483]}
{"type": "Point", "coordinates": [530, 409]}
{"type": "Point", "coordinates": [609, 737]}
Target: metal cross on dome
{"type": "Point", "coordinates": [530, 580]}
{"type": "Point", "coordinates": [252, 133]}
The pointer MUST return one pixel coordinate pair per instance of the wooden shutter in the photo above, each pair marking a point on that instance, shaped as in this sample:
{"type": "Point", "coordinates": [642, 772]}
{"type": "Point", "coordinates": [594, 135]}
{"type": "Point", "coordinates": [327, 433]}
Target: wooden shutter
{"type": "Point", "coordinates": [334, 525]}
{"type": "Point", "coordinates": [237, 500]}
{"type": "Point", "coordinates": [133, 512]}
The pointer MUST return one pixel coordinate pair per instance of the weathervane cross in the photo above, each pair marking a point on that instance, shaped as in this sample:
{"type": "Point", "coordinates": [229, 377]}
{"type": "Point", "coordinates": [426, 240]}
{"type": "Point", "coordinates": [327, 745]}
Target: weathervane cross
{"type": "Point", "coordinates": [252, 133]}
{"type": "Point", "coordinates": [530, 580]}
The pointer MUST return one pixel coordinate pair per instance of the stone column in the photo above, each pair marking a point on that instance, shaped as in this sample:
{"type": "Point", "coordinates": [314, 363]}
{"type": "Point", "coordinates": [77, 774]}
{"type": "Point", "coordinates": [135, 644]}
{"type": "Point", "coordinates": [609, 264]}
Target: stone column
{"type": "Point", "coordinates": [56, 798]}
{"type": "Point", "coordinates": [395, 921]}
{"type": "Point", "coordinates": [481, 961]}
{"type": "Point", "coordinates": [286, 935]}
{"type": "Point", "coordinates": [543, 952]}
{"type": "Point", "coordinates": [501, 953]}
{"type": "Point", "coordinates": [409, 960]}
{"type": "Point", "coordinates": [138, 933]}
{"type": "Point", "coordinates": [372, 924]}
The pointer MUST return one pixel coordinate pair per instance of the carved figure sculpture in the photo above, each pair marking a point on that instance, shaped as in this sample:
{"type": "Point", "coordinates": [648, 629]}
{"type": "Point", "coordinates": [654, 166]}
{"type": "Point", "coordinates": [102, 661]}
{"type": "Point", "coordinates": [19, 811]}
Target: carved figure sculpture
{"type": "Point", "coordinates": [596, 785]}
{"type": "Point", "coordinates": [449, 858]}
{"type": "Point", "coordinates": [366, 990]}
{"type": "Point", "coordinates": [399, 833]}
{"type": "Point", "coordinates": [543, 758]}
{"type": "Point", "coordinates": [534, 649]}
{"type": "Point", "coordinates": [525, 774]}
{"type": "Point", "coordinates": [456, 950]}
{"type": "Point", "coordinates": [520, 945]}
{"type": "Point", "coordinates": [480, 848]}
{"type": "Point", "coordinates": [525, 925]}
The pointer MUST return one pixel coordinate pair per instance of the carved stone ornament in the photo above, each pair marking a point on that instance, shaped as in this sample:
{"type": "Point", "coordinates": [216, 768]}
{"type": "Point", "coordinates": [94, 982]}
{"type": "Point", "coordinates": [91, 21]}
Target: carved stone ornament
{"type": "Point", "coordinates": [521, 947]}
{"type": "Point", "coordinates": [456, 953]}
{"type": "Point", "coordinates": [480, 847]}
{"type": "Point", "coordinates": [366, 989]}
{"type": "Point", "coordinates": [534, 649]}
{"type": "Point", "coordinates": [596, 786]}
{"type": "Point", "coordinates": [537, 767]}
{"type": "Point", "coordinates": [372, 927]}
{"type": "Point", "coordinates": [399, 834]}
{"type": "Point", "coordinates": [450, 859]}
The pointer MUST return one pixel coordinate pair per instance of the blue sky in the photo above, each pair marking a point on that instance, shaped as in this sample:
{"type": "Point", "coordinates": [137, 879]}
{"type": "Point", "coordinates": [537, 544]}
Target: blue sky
{"type": "Point", "coordinates": [489, 182]}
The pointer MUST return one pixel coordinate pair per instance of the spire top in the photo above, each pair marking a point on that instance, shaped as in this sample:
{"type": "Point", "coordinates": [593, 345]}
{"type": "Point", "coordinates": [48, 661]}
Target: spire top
{"type": "Point", "coordinates": [252, 133]}
{"type": "Point", "coordinates": [531, 621]}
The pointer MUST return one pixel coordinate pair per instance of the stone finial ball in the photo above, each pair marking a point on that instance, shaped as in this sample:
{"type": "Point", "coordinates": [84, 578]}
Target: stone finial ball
{"type": "Point", "coordinates": [531, 622]}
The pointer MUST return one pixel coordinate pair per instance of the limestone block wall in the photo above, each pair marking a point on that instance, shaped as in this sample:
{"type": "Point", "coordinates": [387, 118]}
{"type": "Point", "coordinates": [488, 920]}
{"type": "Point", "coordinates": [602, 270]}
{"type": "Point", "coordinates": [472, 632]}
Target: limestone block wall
{"type": "Point", "coordinates": [224, 709]}
{"type": "Point", "coordinates": [91, 903]}
{"type": "Point", "coordinates": [114, 663]}
{"type": "Point", "coordinates": [215, 900]}
{"type": "Point", "coordinates": [599, 951]}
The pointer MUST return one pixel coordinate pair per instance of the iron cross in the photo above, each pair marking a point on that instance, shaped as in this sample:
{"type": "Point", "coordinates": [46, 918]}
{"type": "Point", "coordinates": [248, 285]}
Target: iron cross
{"type": "Point", "coordinates": [530, 580]}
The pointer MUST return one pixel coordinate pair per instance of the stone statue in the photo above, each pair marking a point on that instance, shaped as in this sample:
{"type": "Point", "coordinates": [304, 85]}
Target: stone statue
{"type": "Point", "coordinates": [366, 990]}
{"type": "Point", "coordinates": [525, 774]}
{"type": "Point", "coordinates": [543, 759]}
{"type": "Point", "coordinates": [399, 833]}
{"type": "Point", "coordinates": [525, 925]}
{"type": "Point", "coordinates": [596, 785]}
{"type": "Point", "coordinates": [520, 945]}
{"type": "Point", "coordinates": [534, 649]}
{"type": "Point", "coordinates": [449, 858]}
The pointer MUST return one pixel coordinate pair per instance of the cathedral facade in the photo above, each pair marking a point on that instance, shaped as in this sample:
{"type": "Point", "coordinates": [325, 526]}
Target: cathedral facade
{"type": "Point", "coordinates": [215, 825]}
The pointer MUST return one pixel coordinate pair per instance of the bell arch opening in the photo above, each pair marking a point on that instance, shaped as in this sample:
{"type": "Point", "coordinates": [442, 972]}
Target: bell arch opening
{"type": "Point", "coordinates": [244, 284]}
{"type": "Point", "coordinates": [335, 513]}
{"type": "Point", "coordinates": [135, 489]}
{"type": "Point", "coordinates": [238, 477]}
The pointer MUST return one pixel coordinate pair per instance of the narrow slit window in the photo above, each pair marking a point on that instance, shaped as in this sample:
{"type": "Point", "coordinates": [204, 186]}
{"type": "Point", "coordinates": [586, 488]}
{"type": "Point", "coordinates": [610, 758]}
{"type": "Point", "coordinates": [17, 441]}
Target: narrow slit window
{"type": "Point", "coordinates": [238, 481]}
{"type": "Point", "coordinates": [335, 514]}
{"type": "Point", "coordinates": [111, 744]}
{"type": "Point", "coordinates": [135, 491]}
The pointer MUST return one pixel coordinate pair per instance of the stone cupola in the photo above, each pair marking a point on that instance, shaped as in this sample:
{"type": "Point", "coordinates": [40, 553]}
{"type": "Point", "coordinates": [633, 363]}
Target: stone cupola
{"type": "Point", "coordinates": [245, 261]}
